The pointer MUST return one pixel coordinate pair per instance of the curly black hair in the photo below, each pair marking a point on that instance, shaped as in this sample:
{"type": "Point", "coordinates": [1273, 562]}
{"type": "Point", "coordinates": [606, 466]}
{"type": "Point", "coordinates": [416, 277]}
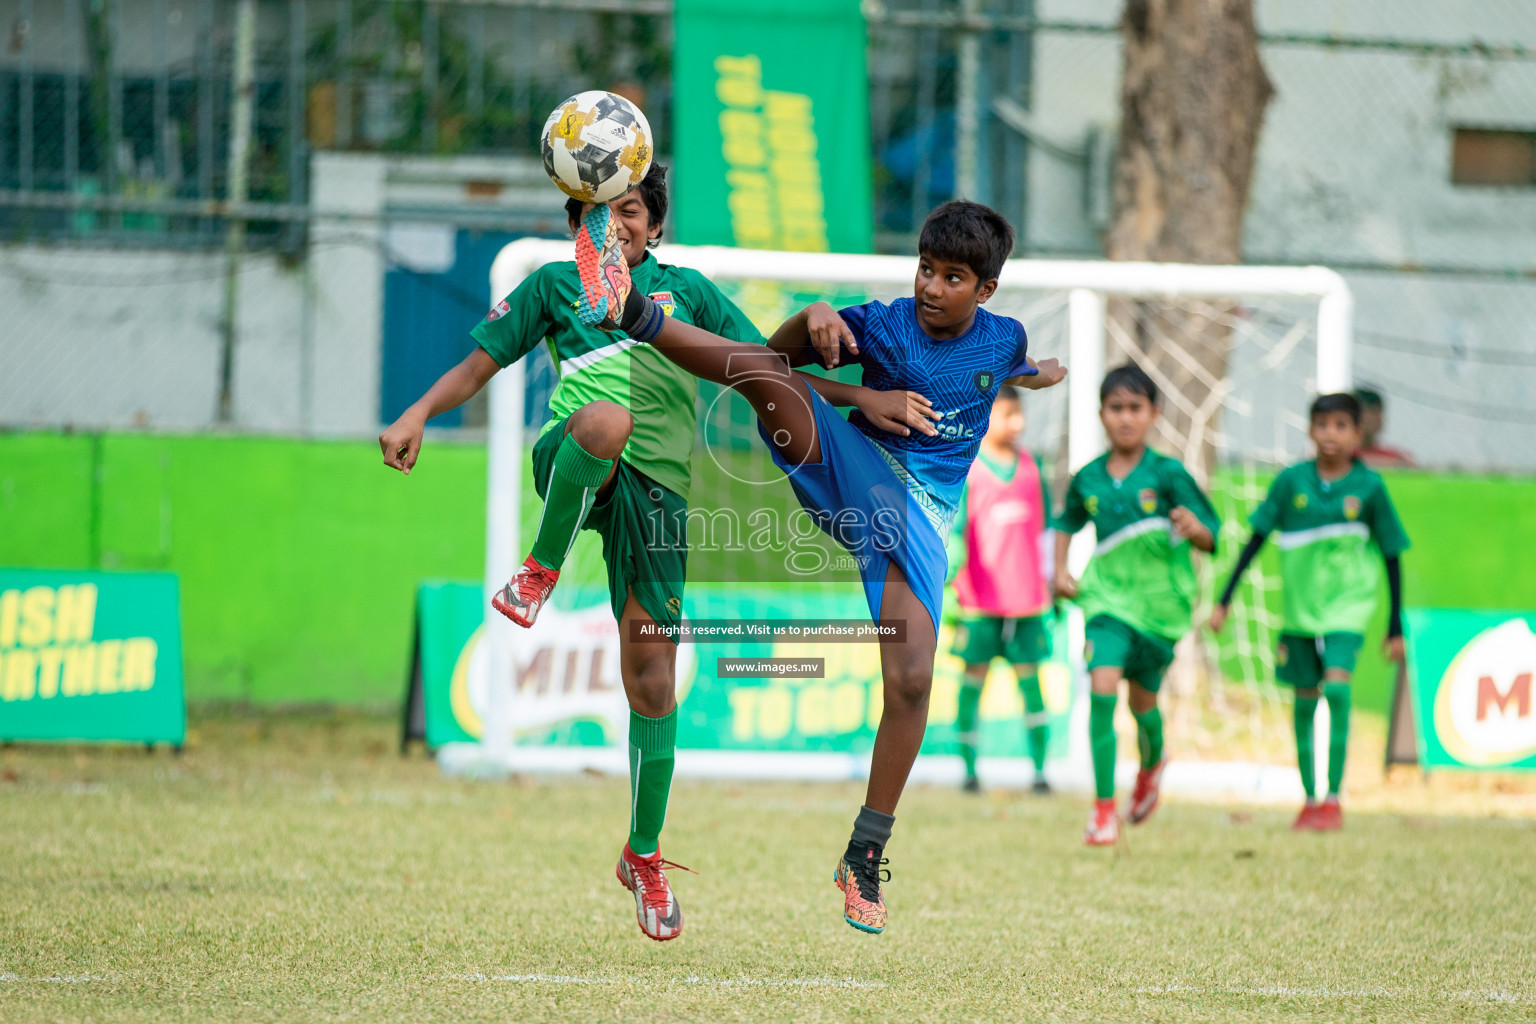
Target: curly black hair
{"type": "Point", "coordinates": [653, 189]}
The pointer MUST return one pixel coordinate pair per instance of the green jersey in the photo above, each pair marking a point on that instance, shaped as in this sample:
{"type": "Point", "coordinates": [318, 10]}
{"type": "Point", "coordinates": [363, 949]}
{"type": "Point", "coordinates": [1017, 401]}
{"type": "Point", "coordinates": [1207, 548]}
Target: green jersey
{"type": "Point", "coordinates": [597, 365]}
{"type": "Point", "coordinates": [1141, 573]}
{"type": "Point", "coordinates": [1332, 536]}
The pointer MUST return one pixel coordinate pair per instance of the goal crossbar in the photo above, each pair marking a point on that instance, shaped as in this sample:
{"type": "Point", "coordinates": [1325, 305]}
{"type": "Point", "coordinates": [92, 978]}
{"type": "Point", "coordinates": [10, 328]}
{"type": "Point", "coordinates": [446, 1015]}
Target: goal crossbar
{"type": "Point", "coordinates": [1088, 283]}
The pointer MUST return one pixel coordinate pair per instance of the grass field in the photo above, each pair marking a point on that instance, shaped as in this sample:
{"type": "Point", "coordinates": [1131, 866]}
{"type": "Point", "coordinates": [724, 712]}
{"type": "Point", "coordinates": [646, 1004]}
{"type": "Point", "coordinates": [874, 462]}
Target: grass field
{"type": "Point", "coordinates": [296, 869]}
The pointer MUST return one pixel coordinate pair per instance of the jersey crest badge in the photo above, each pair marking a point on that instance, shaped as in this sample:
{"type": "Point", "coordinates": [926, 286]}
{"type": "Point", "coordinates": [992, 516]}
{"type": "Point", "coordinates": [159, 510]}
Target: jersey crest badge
{"type": "Point", "coordinates": [498, 311]}
{"type": "Point", "coordinates": [665, 301]}
{"type": "Point", "coordinates": [1282, 654]}
{"type": "Point", "coordinates": [1300, 501]}
{"type": "Point", "coordinates": [983, 379]}
{"type": "Point", "coordinates": [1091, 503]}
{"type": "Point", "coordinates": [1148, 499]}
{"type": "Point", "coordinates": [1351, 507]}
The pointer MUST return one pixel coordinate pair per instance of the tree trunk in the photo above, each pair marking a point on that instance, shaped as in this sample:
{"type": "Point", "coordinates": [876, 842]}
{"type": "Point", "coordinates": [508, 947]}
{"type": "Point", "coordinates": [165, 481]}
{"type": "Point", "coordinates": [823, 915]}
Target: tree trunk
{"type": "Point", "coordinates": [1191, 107]}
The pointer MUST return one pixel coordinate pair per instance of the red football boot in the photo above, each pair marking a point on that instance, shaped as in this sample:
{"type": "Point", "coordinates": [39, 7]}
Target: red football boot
{"type": "Point", "coordinates": [1143, 800]}
{"type": "Point", "coordinates": [521, 599]}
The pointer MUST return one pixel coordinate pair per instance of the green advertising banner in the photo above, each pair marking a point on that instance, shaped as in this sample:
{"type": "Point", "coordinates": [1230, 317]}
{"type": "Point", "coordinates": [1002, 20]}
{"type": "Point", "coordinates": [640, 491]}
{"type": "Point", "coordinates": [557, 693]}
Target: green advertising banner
{"type": "Point", "coordinates": [90, 656]}
{"type": "Point", "coordinates": [567, 689]}
{"type": "Point", "coordinates": [1471, 674]}
{"type": "Point", "coordinates": [771, 104]}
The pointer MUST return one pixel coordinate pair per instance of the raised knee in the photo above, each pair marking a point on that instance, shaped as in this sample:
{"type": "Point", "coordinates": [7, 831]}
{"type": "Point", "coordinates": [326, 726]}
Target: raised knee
{"type": "Point", "coordinates": [602, 428]}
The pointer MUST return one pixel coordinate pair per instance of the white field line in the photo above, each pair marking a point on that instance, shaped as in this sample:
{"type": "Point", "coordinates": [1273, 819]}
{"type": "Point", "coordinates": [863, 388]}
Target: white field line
{"type": "Point", "coordinates": [58, 979]}
{"type": "Point", "coordinates": [1287, 992]}
{"type": "Point", "coordinates": [692, 979]}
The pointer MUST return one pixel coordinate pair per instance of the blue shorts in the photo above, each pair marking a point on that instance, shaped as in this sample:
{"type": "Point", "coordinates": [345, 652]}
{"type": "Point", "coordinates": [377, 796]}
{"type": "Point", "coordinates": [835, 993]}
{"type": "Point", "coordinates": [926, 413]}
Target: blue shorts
{"type": "Point", "coordinates": [857, 499]}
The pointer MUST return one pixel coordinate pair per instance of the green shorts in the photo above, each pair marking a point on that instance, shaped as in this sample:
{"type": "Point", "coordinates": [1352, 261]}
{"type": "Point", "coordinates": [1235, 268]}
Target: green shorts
{"type": "Point", "coordinates": [1141, 657]}
{"type": "Point", "coordinates": [1022, 641]}
{"type": "Point", "coordinates": [644, 527]}
{"type": "Point", "coordinates": [1302, 661]}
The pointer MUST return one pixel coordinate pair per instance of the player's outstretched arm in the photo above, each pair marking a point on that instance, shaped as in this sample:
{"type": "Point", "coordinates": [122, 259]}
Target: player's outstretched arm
{"type": "Point", "coordinates": [1049, 372]}
{"type": "Point", "coordinates": [401, 441]}
{"type": "Point", "coordinates": [1244, 559]}
{"type": "Point", "coordinates": [1392, 646]}
{"type": "Point", "coordinates": [896, 412]}
{"type": "Point", "coordinates": [815, 331]}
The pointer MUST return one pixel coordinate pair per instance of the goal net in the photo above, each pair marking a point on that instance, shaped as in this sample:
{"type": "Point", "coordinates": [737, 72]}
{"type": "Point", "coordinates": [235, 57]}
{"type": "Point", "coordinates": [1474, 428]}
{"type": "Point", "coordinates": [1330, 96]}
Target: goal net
{"type": "Point", "coordinates": [1238, 352]}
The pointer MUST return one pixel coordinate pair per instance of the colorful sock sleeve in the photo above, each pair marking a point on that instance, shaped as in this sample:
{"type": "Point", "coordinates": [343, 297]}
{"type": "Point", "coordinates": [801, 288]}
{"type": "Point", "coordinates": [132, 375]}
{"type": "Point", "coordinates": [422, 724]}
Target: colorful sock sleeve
{"type": "Point", "coordinates": [1101, 737]}
{"type": "Point", "coordinates": [652, 752]}
{"type": "Point", "coordinates": [965, 725]}
{"type": "Point", "coordinates": [572, 491]}
{"type": "Point", "coordinates": [1036, 721]}
{"type": "Point", "coordinates": [1337, 695]}
{"type": "Point", "coordinates": [1306, 758]}
{"type": "Point", "coordinates": [1149, 736]}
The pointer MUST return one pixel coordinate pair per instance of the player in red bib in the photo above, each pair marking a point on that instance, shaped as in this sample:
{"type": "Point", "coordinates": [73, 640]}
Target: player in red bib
{"type": "Point", "coordinates": [1000, 583]}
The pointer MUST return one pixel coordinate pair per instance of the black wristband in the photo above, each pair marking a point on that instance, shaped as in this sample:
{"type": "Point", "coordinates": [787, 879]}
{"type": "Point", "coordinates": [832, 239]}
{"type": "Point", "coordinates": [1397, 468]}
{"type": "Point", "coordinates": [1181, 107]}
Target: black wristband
{"type": "Point", "coordinates": [642, 317]}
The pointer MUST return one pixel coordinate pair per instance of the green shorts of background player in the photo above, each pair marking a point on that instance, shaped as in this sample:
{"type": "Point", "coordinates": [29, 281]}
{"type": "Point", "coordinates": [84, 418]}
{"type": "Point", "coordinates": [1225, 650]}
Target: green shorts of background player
{"type": "Point", "coordinates": [1137, 594]}
{"type": "Point", "coordinates": [1336, 527]}
{"type": "Point", "coordinates": [585, 483]}
{"type": "Point", "coordinates": [1023, 642]}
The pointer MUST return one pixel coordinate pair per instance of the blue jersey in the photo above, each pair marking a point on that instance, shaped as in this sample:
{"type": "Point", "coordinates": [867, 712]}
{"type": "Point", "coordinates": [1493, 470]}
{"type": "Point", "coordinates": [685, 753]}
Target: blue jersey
{"type": "Point", "coordinates": [960, 376]}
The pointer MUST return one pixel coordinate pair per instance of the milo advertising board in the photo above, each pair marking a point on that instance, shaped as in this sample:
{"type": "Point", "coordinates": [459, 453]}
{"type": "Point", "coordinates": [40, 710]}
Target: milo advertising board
{"type": "Point", "coordinates": [566, 689]}
{"type": "Point", "coordinates": [1471, 674]}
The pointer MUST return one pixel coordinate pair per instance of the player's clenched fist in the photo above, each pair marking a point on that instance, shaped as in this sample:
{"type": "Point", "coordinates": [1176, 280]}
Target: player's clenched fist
{"type": "Point", "coordinates": [829, 334]}
{"type": "Point", "coordinates": [401, 443]}
{"type": "Point", "coordinates": [1188, 526]}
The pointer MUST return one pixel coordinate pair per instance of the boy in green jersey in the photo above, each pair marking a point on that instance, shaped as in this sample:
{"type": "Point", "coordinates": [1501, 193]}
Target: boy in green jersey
{"type": "Point", "coordinates": [1336, 527]}
{"type": "Point", "coordinates": [613, 458]}
{"type": "Point", "coordinates": [1138, 591]}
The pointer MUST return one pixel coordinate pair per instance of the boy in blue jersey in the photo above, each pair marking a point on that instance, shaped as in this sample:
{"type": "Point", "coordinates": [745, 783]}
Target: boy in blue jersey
{"type": "Point", "coordinates": [885, 487]}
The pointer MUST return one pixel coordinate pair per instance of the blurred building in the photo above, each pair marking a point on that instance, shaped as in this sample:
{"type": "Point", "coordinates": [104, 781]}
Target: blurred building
{"type": "Point", "coordinates": [392, 153]}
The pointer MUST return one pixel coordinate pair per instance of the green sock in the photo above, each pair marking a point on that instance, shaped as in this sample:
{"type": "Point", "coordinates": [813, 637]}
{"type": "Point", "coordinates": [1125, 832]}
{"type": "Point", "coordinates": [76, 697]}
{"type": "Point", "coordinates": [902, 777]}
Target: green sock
{"type": "Point", "coordinates": [1101, 737]}
{"type": "Point", "coordinates": [652, 742]}
{"type": "Point", "coordinates": [1337, 695]}
{"type": "Point", "coordinates": [965, 725]}
{"type": "Point", "coordinates": [1036, 726]}
{"type": "Point", "coordinates": [572, 490]}
{"type": "Point", "coordinates": [1306, 759]}
{"type": "Point", "coordinates": [1149, 736]}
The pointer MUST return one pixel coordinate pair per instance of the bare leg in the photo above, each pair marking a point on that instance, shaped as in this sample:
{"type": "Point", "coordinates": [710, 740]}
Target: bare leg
{"type": "Point", "coordinates": [763, 377]}
{"type": "Point", "coordinates": [648, 669]}
{"type": "Point", "coordinates": [907, 673]}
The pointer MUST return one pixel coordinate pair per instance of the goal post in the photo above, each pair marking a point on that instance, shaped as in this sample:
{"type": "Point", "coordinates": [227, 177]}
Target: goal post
{"type": "Point", "coordinates": [1065, 306]}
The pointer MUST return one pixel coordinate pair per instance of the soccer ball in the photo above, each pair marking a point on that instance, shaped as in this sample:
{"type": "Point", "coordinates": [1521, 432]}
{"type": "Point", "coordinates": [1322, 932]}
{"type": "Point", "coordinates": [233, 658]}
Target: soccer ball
{"type": "Point", "coordinates": [596, 146]}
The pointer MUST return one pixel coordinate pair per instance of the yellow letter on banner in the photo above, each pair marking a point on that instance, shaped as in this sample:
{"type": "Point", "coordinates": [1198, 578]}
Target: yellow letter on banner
{"type": "Point", "coordinates": [75, 617]}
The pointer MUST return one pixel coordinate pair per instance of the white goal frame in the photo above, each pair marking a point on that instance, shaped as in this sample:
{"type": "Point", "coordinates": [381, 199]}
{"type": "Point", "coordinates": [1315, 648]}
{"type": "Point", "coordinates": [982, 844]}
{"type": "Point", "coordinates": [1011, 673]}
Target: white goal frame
{"type": "Point", "coordinates": [1089, 284]}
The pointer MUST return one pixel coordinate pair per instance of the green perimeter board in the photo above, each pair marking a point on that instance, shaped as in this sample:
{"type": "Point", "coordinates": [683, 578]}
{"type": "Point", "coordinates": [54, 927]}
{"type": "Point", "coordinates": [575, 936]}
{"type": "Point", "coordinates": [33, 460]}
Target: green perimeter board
{"type": "Point", "coordinates": [741, 174]}
{"type": "Point", "coordinates": [838, 712]}
{"type": "Point", "coordinates": [106, 669]}
{"type": "Point", "coordinates": [299, 560]}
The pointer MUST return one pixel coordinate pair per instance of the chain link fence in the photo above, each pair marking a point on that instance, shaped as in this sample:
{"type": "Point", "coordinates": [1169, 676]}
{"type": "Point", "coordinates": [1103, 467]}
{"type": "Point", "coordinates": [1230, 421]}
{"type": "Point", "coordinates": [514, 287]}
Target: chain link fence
{"type": "Point", "coordinates": [1400, 147]}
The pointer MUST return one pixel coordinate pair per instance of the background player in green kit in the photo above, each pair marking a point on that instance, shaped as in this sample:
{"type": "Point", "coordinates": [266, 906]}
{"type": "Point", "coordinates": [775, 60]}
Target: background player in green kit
{"type": "Point", "coordinates": [996, 558]}
{"type": "Point", "coordinates": [1138, 591]}
{"type": "Point", "coordinates": [613, 458]}
{"type": "Point", "coordinates": [1336, 527]}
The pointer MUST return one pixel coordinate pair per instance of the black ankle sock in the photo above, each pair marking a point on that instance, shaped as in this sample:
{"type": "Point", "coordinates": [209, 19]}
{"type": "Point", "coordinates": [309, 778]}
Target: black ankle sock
{"type": "Point", "coordinates": [872, 828]}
